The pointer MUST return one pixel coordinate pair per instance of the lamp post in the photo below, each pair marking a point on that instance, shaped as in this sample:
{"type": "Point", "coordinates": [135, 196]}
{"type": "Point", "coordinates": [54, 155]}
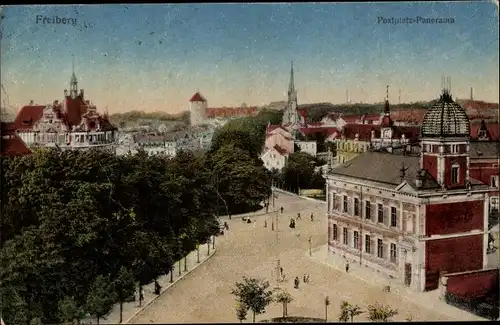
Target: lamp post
{"type": "Point", "coordinates": [208, 247]}
{"type": "Point", "coordinates": [172, 273]}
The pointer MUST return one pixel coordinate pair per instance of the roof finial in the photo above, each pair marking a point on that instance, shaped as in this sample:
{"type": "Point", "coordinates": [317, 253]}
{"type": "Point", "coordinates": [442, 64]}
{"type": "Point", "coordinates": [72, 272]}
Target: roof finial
{"type": "Point", "coordinates": [291, 87]}
{"type": "Point", "coordinates": [387, 93]}
{"type": "Point", "coordinates": [73, 63]}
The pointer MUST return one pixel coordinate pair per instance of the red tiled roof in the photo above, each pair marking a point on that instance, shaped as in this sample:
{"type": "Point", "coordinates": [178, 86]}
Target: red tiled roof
{"type": "Point", "coordinates": [415, 116]}
{"type": "Point", "coordinates": [231, 111]}
{"type": "Point", "coordinates": [12, 145]}
{"type": "Point", "coordinates": [197, 98]}
{"type": "Point", "coordinates": [493, 130]}
{"type": "Point", "coordinates": [364, 131]}
{"type": "Point", "coordinates": [479, 105]}
{"type": "Point", "coordinates": [280, 150]}
{"type": "Point", "coordinates": [326, 130]}
{"type": "Point", "coordinates": [75, 109]}
{"type": "Point", "coordinates": [271, 128]}
{"type": "Point", "coordinates": [28, 116]}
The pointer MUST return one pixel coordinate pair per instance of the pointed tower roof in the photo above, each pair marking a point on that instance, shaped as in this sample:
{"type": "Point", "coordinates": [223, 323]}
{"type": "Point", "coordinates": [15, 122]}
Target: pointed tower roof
{"type": "Point", "coordinates": [197, 98]}
{"type": "Point", "coordinates": [386, 120]}
{"type": "Point", "coordinates": [73, 76]}
{"type": "Point", "coordinates": [291, 86]}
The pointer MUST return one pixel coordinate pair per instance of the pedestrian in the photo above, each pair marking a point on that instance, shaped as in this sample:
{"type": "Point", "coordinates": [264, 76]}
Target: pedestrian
{"type": "Point", "coordinates": [305, 278]}
{"type": "Point", "coordinates": [298, 216]}
{"type": "Point", "coordinates": [312, 217]}
{"type": "Point", "coordinates": [296, 282]}
{"type": "Point", "coordinates": [281, 271]}
{"type": "Point", "coordinates": [265, 223]}
{"type": "Point", "coordinates": [347, 267]}
{"type": "Point", "coordinates": [281, 209]}
{"type": "Point", "coordinates": [157, 288]}
{"type": "Point", "coordinates": [141, 296]}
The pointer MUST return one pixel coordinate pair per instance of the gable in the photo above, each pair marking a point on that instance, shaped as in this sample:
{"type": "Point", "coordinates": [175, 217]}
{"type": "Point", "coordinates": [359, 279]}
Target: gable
{"type": "Point", "coordinates": [405, 187]}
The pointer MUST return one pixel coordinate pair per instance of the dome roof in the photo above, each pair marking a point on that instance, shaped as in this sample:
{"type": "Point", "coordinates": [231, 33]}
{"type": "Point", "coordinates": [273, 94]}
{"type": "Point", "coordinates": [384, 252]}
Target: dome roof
{"type": "Point", "coordinates": [445, 119]}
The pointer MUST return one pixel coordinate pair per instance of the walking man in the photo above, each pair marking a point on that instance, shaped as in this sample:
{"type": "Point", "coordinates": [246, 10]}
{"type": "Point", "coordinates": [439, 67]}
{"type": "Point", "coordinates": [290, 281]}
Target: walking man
{"type": "Point", "coordinates": [312, 217]}
{"type": "Point", "coordinates": [347, 267]}
{"type": "Point", "coordinates": [298, 216]}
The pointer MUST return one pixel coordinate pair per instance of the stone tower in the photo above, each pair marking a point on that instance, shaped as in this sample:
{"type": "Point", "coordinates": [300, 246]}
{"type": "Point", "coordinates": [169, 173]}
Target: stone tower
{"type": "Point", "coordinates": [291, 114]}
{"type": "Point", "coordinates": [198, 109]}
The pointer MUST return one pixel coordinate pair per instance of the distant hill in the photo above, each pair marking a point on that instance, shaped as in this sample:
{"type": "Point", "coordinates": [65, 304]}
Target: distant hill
{"type": "Point", "coordinates": [140, 116]}
{"type": "Point", "coordinates": [317, 111]}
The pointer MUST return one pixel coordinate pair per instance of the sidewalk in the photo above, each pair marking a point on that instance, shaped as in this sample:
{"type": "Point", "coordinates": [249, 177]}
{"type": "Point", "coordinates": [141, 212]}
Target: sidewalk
{"type": "Point", "coordinates": [428, 300]}
{"type": "Point", "coordinates": [295, 194]}
{"type": "Point", "coordinates": [131, 309]}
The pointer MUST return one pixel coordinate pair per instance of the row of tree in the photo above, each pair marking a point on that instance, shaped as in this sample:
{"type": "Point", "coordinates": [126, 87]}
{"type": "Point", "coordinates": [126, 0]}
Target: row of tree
{"type": "Point", "coordinates": [255, 295]}
{"type": "Point", "coordinates": [81, 229]}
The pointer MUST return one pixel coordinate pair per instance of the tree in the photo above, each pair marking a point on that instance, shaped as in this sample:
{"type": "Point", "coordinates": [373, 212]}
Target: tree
{"type": "Point", "coordinates": [381, 313]}
{"type": "Point", "coordinates": [100, 298]}
{"type": "Point", "coordinates": [348, 311]}
{"type": "Point", "coordinates": [69, 311]}
{"type": "Point", "coordinates": [284, 298]}
{"type": "Point", "coordinates": [327, 303]}
{"type": "Point", "coordinates": [123, 287]}
{"type": "Point", "coordinates": [241, 311]}
{"type": "Point", "coordinates": [254, 294]}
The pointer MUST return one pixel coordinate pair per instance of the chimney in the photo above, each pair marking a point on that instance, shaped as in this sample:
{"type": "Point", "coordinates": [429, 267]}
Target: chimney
{"type": "Point", "coordinates": [31, 102]}
{"type": "Point", "coordinates": [65, 92]}
{"type": "Point", "coordinates": [56, 102]}
{"type": "Point", "coordinates": [81, 93]}
{"type": "Point", "coordinates": [419, 180]}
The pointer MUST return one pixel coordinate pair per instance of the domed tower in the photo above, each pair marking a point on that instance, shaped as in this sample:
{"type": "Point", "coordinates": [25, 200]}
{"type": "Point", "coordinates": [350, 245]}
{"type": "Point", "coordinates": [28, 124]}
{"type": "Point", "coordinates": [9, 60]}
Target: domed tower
{"type": "Point", "coordinates": [445, 138]}
{"type": "Point", "coordinates": [198, 109]}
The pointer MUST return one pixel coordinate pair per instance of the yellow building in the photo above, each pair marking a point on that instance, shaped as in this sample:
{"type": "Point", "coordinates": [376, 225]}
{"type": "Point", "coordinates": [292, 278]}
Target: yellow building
{"type": "Point", "coordinates": [348, 149]}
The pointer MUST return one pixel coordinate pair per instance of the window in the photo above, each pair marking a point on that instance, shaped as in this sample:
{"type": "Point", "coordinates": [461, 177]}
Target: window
{"type": "Point", "coordinates": [368, 248]}
{"type": "Point", "coordinates": [344, 207]}
{"type": "Point", "coordinates": [356, 240]}
{"type": "Point", "coordinates": [393, 253]}
{"type": "Point", "coordinates": [380, 248]}
{"type": "Point", "coordinates": [335, 234]}
{"type": "Point", "coordinates": [394, 217]}
{"type": "Point", "coordinates": [494, 181]}
{"type": "Point", "coordinates": [454, 148]}
{"type": "Point", "coordinates": [356, 206]}
{"type": "Point", "coordinates": [380, 213]}
{"type": "Point", "coordinates": [346, 237]}
{"type": "Point", "coordinates": [454, 174]}
{"type": "Point", "coordinates": [368, 211]}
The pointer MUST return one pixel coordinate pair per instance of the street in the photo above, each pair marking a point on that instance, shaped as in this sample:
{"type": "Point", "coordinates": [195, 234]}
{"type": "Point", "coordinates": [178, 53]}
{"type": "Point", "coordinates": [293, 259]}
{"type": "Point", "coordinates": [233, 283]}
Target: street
{"type": "Point", "coordinates": [252, 250]}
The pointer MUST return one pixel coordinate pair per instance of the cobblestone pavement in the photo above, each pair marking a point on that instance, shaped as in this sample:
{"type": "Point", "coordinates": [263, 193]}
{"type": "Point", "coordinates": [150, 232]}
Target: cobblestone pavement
{"type": "Point", "coordinates": [252, 250]}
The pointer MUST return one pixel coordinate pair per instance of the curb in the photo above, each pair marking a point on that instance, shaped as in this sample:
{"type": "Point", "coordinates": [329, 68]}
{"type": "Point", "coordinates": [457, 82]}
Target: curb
{"type": "Point", "coordinates": [302, 197]}
{"type": "Point", "coordinates": [170, 286]}
{"type": "Point", "coordinates": [400, 293]}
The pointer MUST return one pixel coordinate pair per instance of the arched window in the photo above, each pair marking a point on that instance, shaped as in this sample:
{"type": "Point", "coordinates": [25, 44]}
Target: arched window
{"type": "Point", "coordinates": [455, 173]}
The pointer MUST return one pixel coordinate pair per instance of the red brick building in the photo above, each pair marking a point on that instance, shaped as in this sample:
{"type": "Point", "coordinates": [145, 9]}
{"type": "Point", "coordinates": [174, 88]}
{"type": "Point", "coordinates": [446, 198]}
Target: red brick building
{"type": "Point", "coordinates": [413, 216]}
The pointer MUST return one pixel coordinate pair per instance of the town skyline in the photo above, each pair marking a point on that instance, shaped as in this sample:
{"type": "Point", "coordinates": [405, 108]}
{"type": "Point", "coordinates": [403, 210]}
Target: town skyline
{"type": "Point", "coordinates": [235, 53]}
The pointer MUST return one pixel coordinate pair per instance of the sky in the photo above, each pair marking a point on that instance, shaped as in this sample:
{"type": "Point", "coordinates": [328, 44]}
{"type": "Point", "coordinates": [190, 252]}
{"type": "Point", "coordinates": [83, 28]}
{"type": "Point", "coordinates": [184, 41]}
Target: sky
{"type": "Point", "coordinates": [155, 57]}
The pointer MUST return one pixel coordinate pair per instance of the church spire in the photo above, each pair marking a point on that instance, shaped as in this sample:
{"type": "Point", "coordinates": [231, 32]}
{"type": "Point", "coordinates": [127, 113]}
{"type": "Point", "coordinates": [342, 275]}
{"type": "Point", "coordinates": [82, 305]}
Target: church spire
{"type": "Point", "coordinates": [386, 105]}
{"type": "Point", "coordinates": [291, 87]}
{"type": "Point", "coordinates": [73, 83]}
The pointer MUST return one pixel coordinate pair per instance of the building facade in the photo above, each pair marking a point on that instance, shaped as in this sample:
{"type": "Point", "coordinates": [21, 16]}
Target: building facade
{"type": "Point", "coordinates": [275, 158]}
{"type": "Point", "coordinates": [413, 217]}
{"type": "Point", "coordinates": [72, 124]}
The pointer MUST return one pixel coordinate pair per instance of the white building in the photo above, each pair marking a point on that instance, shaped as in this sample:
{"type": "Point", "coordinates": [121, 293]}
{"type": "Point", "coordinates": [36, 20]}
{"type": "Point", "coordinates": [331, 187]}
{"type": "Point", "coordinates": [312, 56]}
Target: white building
{"type": "Point", "coordinates": [275, 158]}
{"type": "Point", "coordinates": [307, 147]}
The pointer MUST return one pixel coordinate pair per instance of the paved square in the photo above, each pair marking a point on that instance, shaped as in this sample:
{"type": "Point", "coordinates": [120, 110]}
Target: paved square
{"type": "Point", "coordinates": [251, 250]}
